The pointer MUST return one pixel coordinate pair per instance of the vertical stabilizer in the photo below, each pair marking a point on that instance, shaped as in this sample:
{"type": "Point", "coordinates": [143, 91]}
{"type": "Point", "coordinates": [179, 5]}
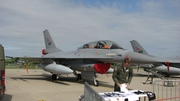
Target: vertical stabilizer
{"type": "Point", "coordinates": [50, 46]}
{"type": "Point", "coordinates": [137, 47]}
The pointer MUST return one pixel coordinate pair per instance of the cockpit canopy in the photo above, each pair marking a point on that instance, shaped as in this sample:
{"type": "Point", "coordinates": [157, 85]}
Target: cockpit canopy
{"type": "Point", "coordinates": [101, 44]}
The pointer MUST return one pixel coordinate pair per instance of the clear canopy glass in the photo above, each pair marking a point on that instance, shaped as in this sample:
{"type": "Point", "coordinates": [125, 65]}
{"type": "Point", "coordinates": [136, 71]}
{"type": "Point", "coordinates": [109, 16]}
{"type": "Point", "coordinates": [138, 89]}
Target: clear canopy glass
{"type": "Point", "coordinates": [101, 44]}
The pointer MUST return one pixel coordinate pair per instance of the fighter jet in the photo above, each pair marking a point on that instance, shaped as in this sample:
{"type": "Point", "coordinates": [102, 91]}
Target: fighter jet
{"type": "Point", "coordinates": [160, 68]}
{"type": "Point", "coordinates": [89, 59]}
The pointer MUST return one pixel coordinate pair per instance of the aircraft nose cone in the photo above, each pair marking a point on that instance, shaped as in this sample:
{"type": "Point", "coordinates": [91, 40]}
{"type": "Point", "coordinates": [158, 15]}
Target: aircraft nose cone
{"type": "Point", "coordinates": [69, 71]}
{"type": "Point", "coordinates": [140, 58]}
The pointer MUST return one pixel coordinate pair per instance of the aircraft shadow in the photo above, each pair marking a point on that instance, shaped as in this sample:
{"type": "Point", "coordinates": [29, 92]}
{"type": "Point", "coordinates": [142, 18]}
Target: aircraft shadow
{"type": "Point", "coordinates": [101, 83]}
{"type": "Point", "coordinates": [61, 79]}
{"type": "Point", "coordinates": [74, 80]}
{"type": "Point", "coordinates": [45, 77]}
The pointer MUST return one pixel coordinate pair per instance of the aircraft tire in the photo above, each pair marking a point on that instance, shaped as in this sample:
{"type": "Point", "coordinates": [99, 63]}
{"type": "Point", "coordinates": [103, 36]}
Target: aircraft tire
{"type": "Point", "coordinates": [96, 82]}
{"type": "Point", "coordinates": [79, 77]}
{"type": "Point", "coordinates": [54, 77]}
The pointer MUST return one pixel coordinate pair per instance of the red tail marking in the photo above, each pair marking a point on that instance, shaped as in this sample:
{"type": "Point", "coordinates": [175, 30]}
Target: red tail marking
{"type": "Point", "coordinates": [47, 40]}
{"type": "Point", "coordinates": [137, 48]}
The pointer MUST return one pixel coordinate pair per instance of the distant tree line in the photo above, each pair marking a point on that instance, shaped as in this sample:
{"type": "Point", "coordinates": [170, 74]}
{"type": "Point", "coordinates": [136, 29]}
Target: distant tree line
{"type": "Point", "coordinates": [11, 63]}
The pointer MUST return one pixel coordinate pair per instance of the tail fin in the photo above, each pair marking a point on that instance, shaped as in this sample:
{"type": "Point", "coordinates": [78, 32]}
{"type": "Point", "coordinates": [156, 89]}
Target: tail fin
{"type": "Point", "coordinates": [50, 46]}
{"type": "Point", "coordinates": [138, 48]}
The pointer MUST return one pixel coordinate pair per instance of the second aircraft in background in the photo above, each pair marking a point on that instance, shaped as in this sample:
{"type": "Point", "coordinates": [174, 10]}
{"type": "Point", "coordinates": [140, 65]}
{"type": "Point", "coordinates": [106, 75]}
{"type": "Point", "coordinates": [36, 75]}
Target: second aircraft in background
{"type": "Point", "coordinates": [161, 68]}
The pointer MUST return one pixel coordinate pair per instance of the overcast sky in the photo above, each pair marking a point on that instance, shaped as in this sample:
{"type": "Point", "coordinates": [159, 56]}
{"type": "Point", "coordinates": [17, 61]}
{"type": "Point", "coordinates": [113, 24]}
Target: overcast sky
{"type": "Point", "coordinates": [155, 24]}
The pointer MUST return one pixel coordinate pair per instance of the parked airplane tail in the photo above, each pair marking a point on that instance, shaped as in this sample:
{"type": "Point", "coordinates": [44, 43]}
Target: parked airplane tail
{"type": "Point", "coordinates": [50, 46]}
{"type": "Point", "coordinates": [137, 47]}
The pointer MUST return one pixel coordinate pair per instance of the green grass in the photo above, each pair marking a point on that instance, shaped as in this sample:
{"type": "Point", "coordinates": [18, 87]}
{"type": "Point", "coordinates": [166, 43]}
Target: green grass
{"type": "Point", "coordinates": [21, 67]}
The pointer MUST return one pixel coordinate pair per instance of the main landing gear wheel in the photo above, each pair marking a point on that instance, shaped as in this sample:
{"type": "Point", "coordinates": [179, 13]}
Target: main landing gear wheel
{"type": "Point", "coordinates": [79, 77]}
{"type": "Point", "coordinates": [96, 82]}
{"type": "Point", "coordinates": [54, 77]}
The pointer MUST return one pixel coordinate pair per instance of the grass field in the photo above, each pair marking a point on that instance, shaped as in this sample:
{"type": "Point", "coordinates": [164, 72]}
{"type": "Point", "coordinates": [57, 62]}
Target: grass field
{"type": "Point", "coordinates": [22, 67]}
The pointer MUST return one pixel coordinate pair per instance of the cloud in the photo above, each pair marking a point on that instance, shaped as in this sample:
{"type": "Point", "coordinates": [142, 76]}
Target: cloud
{"type": "Point", "coordinates": [155, 24]}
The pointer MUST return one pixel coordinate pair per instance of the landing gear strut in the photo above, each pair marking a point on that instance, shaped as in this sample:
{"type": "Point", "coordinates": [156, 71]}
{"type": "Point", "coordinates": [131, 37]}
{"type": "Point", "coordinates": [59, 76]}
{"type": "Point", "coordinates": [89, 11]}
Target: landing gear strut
{"type": "Point", "coordinates": [78, 76]}
{"type": "Point", "coordinates": [87, 76]}
{"type": "Point", "coordinates": [96, 82]}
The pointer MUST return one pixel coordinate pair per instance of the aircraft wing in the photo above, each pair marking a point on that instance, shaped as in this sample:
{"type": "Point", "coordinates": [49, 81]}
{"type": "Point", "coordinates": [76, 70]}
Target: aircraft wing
{"type": "Point", "coordinates": [40, 59]}
{"type": "Point", "coordinates": [174, 62]}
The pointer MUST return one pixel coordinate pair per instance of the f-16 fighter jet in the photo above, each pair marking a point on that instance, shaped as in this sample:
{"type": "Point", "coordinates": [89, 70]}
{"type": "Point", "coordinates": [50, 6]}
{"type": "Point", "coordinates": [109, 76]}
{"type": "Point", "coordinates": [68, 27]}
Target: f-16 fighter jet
{"type": "Point", "coordinates": [89, 59]}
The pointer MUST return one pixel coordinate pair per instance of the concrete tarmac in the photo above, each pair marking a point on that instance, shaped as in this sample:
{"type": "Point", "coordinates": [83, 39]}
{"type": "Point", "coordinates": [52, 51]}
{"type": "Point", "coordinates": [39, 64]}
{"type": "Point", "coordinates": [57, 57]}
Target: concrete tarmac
{"type": "Point", "coordinates": [37, 85]}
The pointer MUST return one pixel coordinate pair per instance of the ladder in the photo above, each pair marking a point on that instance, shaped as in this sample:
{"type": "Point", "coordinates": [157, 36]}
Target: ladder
{"type": "Point", "coordinates": [154, 74]}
